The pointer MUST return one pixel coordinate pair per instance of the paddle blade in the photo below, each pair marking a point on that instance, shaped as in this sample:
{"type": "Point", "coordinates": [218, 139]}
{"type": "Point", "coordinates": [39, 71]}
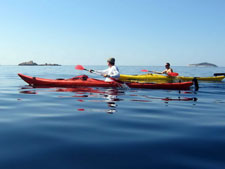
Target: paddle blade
{"type": "Point", "coordinates": [144, 70]}
{"type": "Point", "coordinates": [174, 74]}
{"type": "Point", "coordinates": [79, 67]}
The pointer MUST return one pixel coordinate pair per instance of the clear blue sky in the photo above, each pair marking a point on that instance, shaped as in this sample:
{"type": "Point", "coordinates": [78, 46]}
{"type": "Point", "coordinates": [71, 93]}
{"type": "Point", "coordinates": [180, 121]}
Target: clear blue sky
{"type": "Point", "coordinates": [135, 32]}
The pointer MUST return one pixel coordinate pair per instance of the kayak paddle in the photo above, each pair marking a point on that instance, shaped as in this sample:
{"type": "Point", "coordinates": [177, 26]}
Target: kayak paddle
{"type": "Point", "coordinates": [144, 70]}
{"type": "Point", "coordinates": [80, 67]}
{"type": "Point", "coordinates": [173, 74]}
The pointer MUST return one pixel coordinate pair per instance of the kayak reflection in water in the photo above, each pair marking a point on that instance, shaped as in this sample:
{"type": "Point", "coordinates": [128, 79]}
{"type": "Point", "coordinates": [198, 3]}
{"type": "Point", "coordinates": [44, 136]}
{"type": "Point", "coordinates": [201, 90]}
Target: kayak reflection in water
{"type": "Point", "coordinates": [111, 96]}
{"type": "Point", "coordinates": [166, 71]}
{"type": "Point", "coordinates": [111, 72]}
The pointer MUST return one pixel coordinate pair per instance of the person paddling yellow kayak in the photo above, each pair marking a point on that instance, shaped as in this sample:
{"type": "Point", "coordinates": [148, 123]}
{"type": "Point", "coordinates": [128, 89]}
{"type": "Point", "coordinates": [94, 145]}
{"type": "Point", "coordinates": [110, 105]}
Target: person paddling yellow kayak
{"type": "Point", "coordinates": [167, 71]}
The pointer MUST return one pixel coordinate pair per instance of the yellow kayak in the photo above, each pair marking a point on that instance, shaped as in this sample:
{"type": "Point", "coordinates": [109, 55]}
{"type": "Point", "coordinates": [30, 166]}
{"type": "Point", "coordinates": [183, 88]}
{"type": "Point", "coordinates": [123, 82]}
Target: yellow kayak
{"type": "Point", "coordinates": [158, 77]}
{"type": "Point", "coordinates": [144, 77]}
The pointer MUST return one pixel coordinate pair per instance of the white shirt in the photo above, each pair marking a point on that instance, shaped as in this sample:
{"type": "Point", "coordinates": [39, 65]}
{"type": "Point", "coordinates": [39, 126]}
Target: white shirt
{"type": "Point", "coordinates": [112, 71]}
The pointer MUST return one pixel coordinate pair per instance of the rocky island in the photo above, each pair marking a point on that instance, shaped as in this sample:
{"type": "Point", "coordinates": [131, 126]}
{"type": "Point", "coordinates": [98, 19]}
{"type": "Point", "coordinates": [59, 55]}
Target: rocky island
{"type": "Point", "coordinates": [203, 64]}
{"type": "Point", "coordinates": [31, 63]}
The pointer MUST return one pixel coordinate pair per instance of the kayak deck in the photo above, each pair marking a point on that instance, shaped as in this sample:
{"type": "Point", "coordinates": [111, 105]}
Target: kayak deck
{"type": "Point", "coordinates": [84, 81]}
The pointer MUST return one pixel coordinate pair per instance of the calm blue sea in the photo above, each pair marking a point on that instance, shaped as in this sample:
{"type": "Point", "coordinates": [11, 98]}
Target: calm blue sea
{"type": "Point", "coordinates": [104, 128]}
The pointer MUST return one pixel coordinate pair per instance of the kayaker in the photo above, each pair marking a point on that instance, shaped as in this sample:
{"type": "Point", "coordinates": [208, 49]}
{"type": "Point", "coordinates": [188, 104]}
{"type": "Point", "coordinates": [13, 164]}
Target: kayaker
{"type": "Point", "coordinates": [111, 72]}
{"type": "Point", "coordinates": [166, 71]}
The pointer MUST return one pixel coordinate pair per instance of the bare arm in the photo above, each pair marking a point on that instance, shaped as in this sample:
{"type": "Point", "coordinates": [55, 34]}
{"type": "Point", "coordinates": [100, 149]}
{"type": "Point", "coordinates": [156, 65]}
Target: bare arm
{"type": "Point", "coordinates": [163, 72]}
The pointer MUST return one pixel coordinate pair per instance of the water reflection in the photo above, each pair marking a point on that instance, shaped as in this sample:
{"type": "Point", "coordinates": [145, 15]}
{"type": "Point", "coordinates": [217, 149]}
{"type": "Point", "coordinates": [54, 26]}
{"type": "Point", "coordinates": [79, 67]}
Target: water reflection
{"type": "Point", "coordinates": [29, 92]}
{"type": "Point", "coordinates": [167, 99]}
{"type": "Point", "coordinates": [110, 96]}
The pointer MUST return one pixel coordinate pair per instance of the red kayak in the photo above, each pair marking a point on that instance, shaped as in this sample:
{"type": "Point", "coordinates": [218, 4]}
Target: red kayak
{"type": "Point", "coordinates": [85, 81]}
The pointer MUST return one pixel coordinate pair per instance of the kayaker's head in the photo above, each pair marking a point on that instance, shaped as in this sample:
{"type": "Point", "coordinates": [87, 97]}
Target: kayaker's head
{"type": "Point", "coordinates": [167, 65]}
{"type": "Point", "coordinates": [111, 61]}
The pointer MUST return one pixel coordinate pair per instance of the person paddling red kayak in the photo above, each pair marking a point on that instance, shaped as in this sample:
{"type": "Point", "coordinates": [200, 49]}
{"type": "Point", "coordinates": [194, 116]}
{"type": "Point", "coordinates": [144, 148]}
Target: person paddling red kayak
{"type": "Point", "coordinates": [111, 72]}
